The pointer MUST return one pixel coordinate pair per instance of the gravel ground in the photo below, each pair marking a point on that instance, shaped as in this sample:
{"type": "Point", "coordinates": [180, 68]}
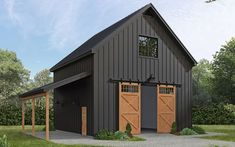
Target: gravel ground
{"type": "Point", "coordinates": [152, 140]}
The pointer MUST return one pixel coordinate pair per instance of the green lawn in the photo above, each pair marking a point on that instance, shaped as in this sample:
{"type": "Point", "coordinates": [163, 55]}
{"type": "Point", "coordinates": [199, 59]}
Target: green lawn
{"type": "Point", "coordinates": [228, 129]}
{"type": "Point", "coordinates": [18, 139]}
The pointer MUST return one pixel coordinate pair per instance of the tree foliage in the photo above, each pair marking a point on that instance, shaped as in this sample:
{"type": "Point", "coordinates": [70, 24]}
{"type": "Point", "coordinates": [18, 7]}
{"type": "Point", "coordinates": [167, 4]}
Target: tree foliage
{"type": "Point", "coordinates": [215, 81]}
{"type": "Point", "coordinates": [42, 78]}
{"type": "Point", "coordinates": [224, 72]}
{"type": "Point", "coordinates": [202, 76]}
{"type": "Point", "coordinates": [13, 75]}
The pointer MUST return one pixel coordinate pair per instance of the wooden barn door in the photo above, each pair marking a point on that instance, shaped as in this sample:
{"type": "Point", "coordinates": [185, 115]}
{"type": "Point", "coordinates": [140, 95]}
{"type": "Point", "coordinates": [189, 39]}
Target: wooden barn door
{"type": "Point", "coordinates": [129, 107]}
{"type": "Point", "coordinates": [165, 108]}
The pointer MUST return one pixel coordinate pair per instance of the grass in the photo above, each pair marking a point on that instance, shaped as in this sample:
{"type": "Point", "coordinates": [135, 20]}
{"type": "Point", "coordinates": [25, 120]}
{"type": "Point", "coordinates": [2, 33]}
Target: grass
{"type": "Point", "coordinates": [135, 138]}
{"type": "Point", "coordinates": [229, 130]}
{"type": "Point", "coordinates": [212, 145]}
{"type": "Point", "coordinates": [18, 139]}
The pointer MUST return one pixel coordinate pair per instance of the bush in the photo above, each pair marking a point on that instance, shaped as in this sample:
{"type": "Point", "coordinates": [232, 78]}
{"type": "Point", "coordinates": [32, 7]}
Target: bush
{"type": "Point", "coordinates": [110, 135]}
{"type": "Point", "coordinates": [10, 114]}
{"type": "Point", "coordinates": [104, 135]}
{"type": "Point", "coordinates": [173, 128]}
{"type": "Point", "coordinates": [4, 141]}
{"type": "Point", "coordinates": [213, 114]}
{"type": "Point", "coordinates": [230, 107]}
{"type": "Point", "coordinates": [128, 130]}
{"type": "Point", "coordinates": [118, 135]}
{"type": "Point", "coordinates": [187, 131]}
{"type": "Point", "coordinates": [198, 130]}
{"type": "Point", "coordinates": [121, 136]}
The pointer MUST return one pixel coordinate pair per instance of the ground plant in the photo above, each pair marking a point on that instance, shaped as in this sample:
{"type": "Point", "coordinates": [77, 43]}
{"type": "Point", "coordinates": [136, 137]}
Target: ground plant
{"type": "Point", "coordinates": [105, 135]}
{"type": "Point", "coordinates": [4, 141]}
{"type": "Point", "coordinates": [174, 128]}
{"type": "Point", "coordinates": [118, 135]}
{"type": "Point", "coordinates": [187, 131]}
{"type": "Point", "coordinates": [128, 130]}
{"type": "Point", "coordinates": [198, 130]}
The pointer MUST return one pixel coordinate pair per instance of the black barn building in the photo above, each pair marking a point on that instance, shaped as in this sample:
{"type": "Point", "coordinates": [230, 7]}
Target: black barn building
{"type": "Point", "coordinates": [136, 71]}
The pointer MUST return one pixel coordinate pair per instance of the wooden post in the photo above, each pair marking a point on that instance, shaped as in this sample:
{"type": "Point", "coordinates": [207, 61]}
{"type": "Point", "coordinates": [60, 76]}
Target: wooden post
{"type": "Point", "coordinates": [33, 116]}
{"type": "Point", "coordinates": [84, 121]}
{"type": "Point", "coordinates": [23, 113]}
{"type": "Point", "coordinates": [47, 116]}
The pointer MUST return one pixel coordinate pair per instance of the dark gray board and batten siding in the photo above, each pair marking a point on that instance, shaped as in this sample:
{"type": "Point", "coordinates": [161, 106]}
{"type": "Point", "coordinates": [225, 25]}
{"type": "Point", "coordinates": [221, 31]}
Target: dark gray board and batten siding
{"type": "Point", "coordinates": [117, 57]}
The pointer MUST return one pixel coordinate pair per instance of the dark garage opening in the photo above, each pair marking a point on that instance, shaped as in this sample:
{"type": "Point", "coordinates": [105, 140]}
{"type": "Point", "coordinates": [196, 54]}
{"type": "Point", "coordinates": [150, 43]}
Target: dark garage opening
{"type": "Point", "coordinates": [68, 102]}
{"type": "Point", "coordinates": [148, 108]}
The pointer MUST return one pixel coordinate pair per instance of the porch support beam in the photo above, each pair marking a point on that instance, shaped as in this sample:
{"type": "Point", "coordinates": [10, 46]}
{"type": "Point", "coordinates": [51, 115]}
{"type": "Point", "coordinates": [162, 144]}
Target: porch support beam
{"type": "Point", "coordinates": [47, 116]}
{"type": "Point", "coordinates": [33, 116]}
{"type": "Point", "coordinates": [23, 114]}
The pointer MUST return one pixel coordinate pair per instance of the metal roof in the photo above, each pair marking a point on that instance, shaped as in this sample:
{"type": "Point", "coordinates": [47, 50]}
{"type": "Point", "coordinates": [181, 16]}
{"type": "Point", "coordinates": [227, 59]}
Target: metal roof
{"type": "Point", "coordinates": [86, 47]}
{"type": "Point", "coordinates": [54, 85]}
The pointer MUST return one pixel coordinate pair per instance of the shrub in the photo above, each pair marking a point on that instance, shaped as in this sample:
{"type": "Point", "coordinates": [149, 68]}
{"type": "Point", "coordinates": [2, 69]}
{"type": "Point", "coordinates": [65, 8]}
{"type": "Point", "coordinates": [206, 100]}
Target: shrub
{"type": "Point", "coordinates": [198, 130]}
{"type": "Point", "coordinates": [4, 141]}
{"type": "Point", "coordinates": [187, 131]}
{"type": "Point", "coordinates": [173, 128]}
{"type": "Point", "coordinates": [128, 130]}
{"type": "Point", "coordinates": [104, 135]}
{"type": "Point", "coordinates": [213, 114]}
{"type": "Point", "coordinates": [230, 107]}
{"type": "Point", "coordinates": [120, 135]}
{"type": "Point", "coordinates": [10, 114]}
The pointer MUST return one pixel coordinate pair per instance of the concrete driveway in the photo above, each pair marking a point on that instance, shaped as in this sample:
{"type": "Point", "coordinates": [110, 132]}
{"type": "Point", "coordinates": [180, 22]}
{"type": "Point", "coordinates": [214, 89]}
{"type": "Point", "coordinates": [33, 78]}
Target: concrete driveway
{"type": "Point", "coordinates": [152, 140]}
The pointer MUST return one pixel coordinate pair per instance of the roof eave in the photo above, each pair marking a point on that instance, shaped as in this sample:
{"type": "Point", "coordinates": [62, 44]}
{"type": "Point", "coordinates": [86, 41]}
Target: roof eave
{"type": "Point", "coordinates": [56, 67]}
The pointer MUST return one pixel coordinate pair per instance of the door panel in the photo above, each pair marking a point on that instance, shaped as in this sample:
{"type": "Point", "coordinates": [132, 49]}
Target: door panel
{"type": "Point", "coordinates": [148, 107]}
{"type": "Point", "coordinates": [165, 108]}
{"type": "Point", "coordinates": [129, 106]}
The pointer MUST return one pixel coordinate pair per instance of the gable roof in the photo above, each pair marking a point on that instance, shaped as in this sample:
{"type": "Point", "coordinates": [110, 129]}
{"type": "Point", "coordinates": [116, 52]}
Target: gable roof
{"type": "Point", "coordinates": [86, 48]}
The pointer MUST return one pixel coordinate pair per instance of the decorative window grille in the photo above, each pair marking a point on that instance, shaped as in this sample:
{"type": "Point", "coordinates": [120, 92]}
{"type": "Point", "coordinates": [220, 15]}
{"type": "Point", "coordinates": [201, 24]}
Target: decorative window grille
{"type": "Point", "coordinates": [130, 88]}
{"type": "Point", "coordinates": [166, 90]}
{"type": "Point", "coordinates": [148, 46]}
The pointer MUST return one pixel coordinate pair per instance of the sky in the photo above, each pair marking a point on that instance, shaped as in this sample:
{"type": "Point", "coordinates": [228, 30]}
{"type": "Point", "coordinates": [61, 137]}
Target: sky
{"type": "Point", "coordinates": [42, 32]}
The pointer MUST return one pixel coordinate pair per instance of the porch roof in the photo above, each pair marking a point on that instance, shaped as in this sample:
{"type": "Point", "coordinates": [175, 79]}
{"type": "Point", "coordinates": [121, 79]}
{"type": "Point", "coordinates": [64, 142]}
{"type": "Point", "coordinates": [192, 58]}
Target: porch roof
{"type": "Point", "coordinates": [53, 85]}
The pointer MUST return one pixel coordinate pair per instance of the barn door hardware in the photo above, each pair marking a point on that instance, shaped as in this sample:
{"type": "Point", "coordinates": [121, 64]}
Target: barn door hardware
{"type": "Point", "coordinates": [146, 82]}
{"type": "Point", "coordinates": [151, 77]}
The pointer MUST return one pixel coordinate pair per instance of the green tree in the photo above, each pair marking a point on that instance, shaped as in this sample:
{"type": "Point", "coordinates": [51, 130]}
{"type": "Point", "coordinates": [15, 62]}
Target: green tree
{"type": "Point", "coordinates": [13, 75]}
{"type": "Point", "coordinates": [202, 76]}
{"type": "Point", "coordinates": [224, 72]}
{"type": "Point", "coordinates": [42, 78]}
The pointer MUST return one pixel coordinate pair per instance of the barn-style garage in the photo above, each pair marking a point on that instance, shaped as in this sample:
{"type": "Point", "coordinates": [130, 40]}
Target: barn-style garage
{"type": "Point", "coordinates": [137, 71]}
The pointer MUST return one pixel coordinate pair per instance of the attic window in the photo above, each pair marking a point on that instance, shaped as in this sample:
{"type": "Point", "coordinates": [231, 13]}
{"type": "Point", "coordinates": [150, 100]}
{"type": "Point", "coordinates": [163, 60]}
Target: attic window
{"type": "Point", "coordinates": [148, 46]}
